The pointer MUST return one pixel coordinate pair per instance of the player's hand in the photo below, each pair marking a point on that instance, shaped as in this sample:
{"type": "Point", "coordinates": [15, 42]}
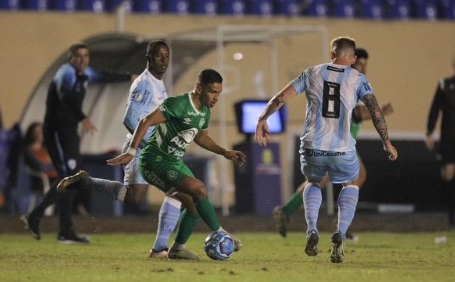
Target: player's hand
{"type": "Point", "coordinates": [88, 126]}
{"type": "Point", "coordinates": [122, 159]}
{"type": "Point", "coordinates": [387, 109]}
{"type": "Point", "coordinates": [237, 157]}
{"type": "Point", "coordinates": [429, 142]}
{"type": "Point", "coordinates": [262, 134]}
{"type": "Point", "coordinates": [389, 148]}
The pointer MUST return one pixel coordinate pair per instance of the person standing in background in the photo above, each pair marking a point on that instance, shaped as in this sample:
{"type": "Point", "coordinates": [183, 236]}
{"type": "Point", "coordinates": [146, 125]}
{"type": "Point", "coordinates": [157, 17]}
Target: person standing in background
{"type": "Point", "coordinates": [63, 114]}
{"type": "Point", "coordinates": [444, 103]}
{"type": "Point", "coordinates": [38, 163]}
{"type": "Point", "coordinates": [327, 147]}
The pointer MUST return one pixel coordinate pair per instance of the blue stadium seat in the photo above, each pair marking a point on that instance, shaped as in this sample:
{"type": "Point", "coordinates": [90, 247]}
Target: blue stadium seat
{"type": "Point", "coordinates": [207, 7]}
{"type": "Point", "coordinates": [262, 7]}
{"type": "Point", "coordinates": [65, 5]}
{"type": "Point", "coordinates": [37, 5]}
{"type": "Point", "coordinates": [317, 8]}
{"type": "Point", "coordinates": [12, 5]}
{"type": "Point", "coordinates": [343, 8]}
{"type": "Point", "coordinates": [448, 7]}
{"type": "Point", "coordinates": [399, 9]}
{"type": "Point", "coordinates": [288, 7]}
{"type": "Point", "coordinates": [425, 9]}
{"type": "Point", "coordinates": [234, 7]}
{"type": "Point", "coordinates": [112, 5]}
{"type": "Point", "coordinates": [148, 6]}
{"type": "Point", "coordinates": [179, 7]}
{"type": "Point", "coordinates": [95, 6]}
{"type": "Point", "coordinates": [373, 9]}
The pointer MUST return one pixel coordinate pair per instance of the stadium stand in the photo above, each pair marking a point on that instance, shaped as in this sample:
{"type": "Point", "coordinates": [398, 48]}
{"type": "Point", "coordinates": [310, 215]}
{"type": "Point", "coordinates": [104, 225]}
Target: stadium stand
{"type": "Point", "coordinates": [349, 9]}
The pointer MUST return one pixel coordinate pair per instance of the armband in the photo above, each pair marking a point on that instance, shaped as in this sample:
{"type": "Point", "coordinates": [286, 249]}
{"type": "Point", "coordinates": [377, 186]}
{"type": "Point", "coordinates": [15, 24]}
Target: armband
{"type": "Point", "coordinates": [131, 151]}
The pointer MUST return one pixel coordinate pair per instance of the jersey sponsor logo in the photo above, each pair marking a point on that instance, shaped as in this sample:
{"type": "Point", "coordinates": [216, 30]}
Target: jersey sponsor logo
{"type": "Point", "coordinates": [202, 114]}
{"type": "Point", "coordinates": [153, 178]}
{"type": "Point", "coordinates": [332, 68]}
{"type": "Point", "coordinates": [180, 142]}
{"type": "Point", "coordinates": [188, 134]}
{"type": "Point", "coordinates": [319, 153]}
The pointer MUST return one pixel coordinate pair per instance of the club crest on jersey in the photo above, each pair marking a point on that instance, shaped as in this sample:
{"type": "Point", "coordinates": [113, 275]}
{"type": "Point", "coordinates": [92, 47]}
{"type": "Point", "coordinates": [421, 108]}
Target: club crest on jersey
{"type": "Point", "coordinates": [172, 175]}
{"type": "Point", "coordinates": [137, 96]}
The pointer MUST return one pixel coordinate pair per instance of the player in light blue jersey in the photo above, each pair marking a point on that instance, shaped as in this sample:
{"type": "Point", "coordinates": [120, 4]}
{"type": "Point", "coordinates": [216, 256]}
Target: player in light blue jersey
{"type": "Point", "coordinates": [327, 146]}
{"type": "Point", "coordinates": [147, 92]}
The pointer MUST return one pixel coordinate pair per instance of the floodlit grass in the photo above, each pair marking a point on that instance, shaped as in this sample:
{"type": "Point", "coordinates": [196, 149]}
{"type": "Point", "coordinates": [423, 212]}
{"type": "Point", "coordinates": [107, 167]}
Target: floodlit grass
{"type": "Point", "coordinates": [265, 257]}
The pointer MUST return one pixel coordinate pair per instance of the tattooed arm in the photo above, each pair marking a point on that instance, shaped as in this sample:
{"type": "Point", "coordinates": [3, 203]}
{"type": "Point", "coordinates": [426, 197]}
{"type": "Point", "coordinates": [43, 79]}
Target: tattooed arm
{"type": "Point", "coordinates": [380, 124]}
{"type": "Point", "coordinates": [262, 135]}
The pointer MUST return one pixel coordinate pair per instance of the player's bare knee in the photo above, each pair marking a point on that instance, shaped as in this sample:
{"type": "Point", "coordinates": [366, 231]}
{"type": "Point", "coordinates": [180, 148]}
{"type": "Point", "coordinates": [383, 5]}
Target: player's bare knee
{"type": "Point", "coordinates": [199, 192]}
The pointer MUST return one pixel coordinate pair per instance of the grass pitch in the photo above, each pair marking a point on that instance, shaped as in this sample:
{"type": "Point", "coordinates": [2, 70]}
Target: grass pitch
{"type": "Point", "coordinates": [265, 257]}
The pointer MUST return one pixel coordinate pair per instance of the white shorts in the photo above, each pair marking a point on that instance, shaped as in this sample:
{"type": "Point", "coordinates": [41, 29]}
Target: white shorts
{"type": "Point", "coordinates": [342, 167]}
{"type": "Point", "coordinates": [131, 170]}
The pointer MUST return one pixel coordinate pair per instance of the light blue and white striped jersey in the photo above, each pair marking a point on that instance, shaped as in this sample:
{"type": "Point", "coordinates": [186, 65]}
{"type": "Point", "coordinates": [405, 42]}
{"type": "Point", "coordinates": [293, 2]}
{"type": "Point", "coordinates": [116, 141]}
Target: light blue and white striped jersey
{"type": "Point", "coordinates": [332, 91]}
{"type": "Point", "coordinates": [146, 94]}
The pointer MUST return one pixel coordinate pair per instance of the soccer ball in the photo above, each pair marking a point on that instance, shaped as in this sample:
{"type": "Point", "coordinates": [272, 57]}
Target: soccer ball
{"type": "Point", "coordinates": [219, 245]}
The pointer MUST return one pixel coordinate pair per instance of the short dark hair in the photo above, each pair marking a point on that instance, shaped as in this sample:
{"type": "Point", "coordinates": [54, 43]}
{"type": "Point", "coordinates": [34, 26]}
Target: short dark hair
{"type": "Point", "coordinates": [361, 53]}
{"type": "Point", "coordinates": [153, 45]}
{"type": "Point", "coordinates": [76, 46]}
{"type": "Point", "coordinates": [209, 76]}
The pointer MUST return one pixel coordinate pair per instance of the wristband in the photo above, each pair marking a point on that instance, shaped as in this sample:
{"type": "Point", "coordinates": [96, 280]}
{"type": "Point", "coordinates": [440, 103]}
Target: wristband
{"type": "Point", "coordinates": [131, 151]}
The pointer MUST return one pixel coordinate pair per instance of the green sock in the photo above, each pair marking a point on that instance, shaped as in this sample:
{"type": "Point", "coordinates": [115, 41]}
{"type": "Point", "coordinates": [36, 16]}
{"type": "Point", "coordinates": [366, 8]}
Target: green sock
{"type": "Point", "coordinates": [187, 223]}
{"type": "Point", "coordinates": [207, 213]}
{"type": "Point", "coordinates": [294, 203]}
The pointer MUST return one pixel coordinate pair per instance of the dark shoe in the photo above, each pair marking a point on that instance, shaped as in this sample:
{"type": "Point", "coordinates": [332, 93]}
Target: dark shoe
{"type": "Point", "coordinates": [312, 241]}
{"type": "Point", "coordinates": [281, 221]}
{"type": "Point", "coordinates": [337, 253]}
{"type": "Point", "coordinates": [32, 225]}
{"type": "Point", "coordinates": [67, 182]}
{"type": "Point", "coordinates": [182, 254]}
{"type": "Point", "coordinates": [72, 238]}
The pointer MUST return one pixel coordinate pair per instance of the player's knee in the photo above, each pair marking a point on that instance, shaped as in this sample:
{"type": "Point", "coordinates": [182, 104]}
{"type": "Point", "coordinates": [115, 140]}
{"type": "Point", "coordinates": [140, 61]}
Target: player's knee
{"type": "Point", "coordinates": [199, 191]}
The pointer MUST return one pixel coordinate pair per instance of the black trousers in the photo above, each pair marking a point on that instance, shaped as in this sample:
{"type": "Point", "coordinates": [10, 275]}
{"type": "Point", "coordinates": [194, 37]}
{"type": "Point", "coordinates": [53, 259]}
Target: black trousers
{"type": "Point", "coordinates": [63, 148]}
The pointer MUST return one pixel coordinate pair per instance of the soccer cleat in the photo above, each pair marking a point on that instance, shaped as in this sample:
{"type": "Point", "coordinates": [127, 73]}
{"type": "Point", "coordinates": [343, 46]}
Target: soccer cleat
{"type": "Point", "coordinates": [159, 255]}
{"type": "Point", "coordinates": [66, 182]}
{"type": "Point", "coordinates": [72, 238]}
{"type": "Point", "coordinates": [312, 241]}
{"type": "Point", "coordinates": [182, 254]}
{"type": "Point", "coordinates": [237, 244]}
{"type": "Point", "coordinates": [281, 221]}
{"type": "Point", "coordinates": [337, 253]}
{"type": "Point", "coordinates": [32, 225]}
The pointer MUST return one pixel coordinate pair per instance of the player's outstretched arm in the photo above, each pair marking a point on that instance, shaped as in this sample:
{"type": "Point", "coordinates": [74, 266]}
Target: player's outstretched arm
{"type": "Point", "coordinates": [262, 134]}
